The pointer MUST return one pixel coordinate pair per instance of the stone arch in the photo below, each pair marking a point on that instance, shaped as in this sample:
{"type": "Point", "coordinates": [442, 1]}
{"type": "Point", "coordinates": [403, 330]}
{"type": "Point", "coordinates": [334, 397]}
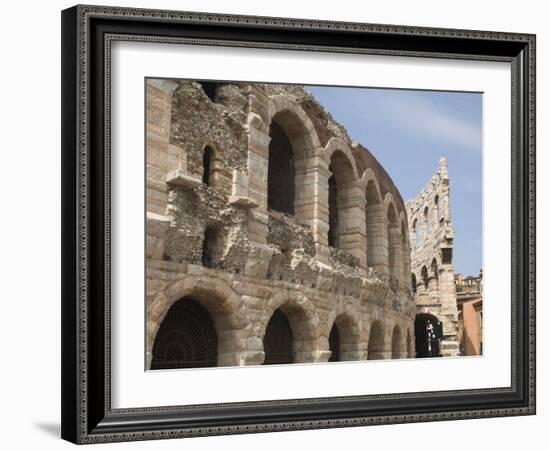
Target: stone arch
{"type": "Point", "coordinates": [427, 330]}
{"type": "Point", "coordinates": [398, 349]}
{"type": "Point", "coordinates": [375, 224]}
{"type": "Point", "coordinates": [346, 319]}
{"type": "Point", "coordinates": [186, 338]}
{"type": "Point", "coordinates": [295, 130]}
{"type": "Point", "coordinates": [221, 302]}
{"type": "Point", "coordinates": [297, 125]}
{"type": "Point", "coordinates": [437, 210]}
{"type": "Point", "coordinates": [212, 156]}
{"type": "Point", "coordinates": [376, 344]}
{"type": "Point", "coordinates": [303, 319]}
{"type": "Point", "coordinates": [425, 277]}
{"type": "Point", "coordinates": [415, 232]}
{"type": "Point", "coordinates": [341, 183]}
{"type": "Point", "coordinates": [336, 144]}
{"type": "Point", "coordinates": [395, 250]}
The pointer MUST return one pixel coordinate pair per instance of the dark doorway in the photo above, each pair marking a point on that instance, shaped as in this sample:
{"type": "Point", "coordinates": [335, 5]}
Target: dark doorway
{"type": "Point", "coordinates": [207, 165]}
{"type": "Point", "coordinates": [428, 333]}
{"type": "Point", "coordinates": [280, 175]}
{"type": "Point", "coordinates": [334, 344]}
{"type": "Point", "coordinates": [278, 340]}
{"type": "Point", "coordinates": [332, 212]}
{"type": "Point", "coordinates": [186, 338]}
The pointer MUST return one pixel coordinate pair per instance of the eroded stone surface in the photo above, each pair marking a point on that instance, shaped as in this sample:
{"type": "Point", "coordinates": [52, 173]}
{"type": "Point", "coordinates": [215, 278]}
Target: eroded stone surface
{"type": "Point", "coordinates": [218, 243]}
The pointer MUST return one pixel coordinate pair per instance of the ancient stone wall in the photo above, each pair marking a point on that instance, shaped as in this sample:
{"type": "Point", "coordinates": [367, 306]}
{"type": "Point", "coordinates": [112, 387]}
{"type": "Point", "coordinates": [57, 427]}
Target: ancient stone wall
{"type": "Point", "coordinates": [212, 237]}
{"type": "Point", "coordinates": [431, 237]}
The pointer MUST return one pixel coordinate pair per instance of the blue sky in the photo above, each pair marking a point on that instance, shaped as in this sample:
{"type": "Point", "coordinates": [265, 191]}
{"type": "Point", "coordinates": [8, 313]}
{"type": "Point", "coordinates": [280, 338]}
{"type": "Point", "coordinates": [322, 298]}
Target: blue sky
{"type": "Point", "coordinates": [408, 132]}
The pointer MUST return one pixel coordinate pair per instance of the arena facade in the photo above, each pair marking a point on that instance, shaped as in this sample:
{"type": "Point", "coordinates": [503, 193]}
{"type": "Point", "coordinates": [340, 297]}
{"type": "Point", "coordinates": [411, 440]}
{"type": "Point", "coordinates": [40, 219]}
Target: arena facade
{"type": "Point", "coordinates": [272, 237]}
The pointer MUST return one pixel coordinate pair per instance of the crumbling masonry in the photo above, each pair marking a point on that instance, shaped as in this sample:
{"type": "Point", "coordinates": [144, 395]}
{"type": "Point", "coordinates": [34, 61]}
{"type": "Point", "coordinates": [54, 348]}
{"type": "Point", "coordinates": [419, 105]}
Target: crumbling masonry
{"type": "Point", "coordinates": [271, 236]}
{"type": "Point", "coordinates": [431, 237]}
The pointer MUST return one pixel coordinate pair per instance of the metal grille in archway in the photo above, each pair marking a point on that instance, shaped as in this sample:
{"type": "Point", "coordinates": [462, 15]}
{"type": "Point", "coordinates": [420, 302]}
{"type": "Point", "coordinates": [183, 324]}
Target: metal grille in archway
{"type": "Point", "coordinates": [278, 340]}
{"type": "Point", "coordinates": [186, 338]}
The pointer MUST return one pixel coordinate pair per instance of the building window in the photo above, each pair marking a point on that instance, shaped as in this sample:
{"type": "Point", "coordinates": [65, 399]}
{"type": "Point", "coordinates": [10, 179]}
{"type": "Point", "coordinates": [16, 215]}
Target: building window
{"type": "Point", "coordinates": [416, 233]}
{"type": "Point", "coordinates": [437, 210]}
{"type": "Point", "coordinates": [280, 173]}
{"type": "Point", "coordinates": [207, 165]}
{"type": "Point", "coordinates": [211, 247]}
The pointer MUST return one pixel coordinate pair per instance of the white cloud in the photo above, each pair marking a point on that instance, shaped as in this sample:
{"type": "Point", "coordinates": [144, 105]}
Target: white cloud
{"type": "Point", "coordinates": [427, 119]}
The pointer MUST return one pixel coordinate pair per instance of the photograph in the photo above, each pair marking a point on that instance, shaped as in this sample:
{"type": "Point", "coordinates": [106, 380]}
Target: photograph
{"type": "Point", "coordinates": [291, 223]}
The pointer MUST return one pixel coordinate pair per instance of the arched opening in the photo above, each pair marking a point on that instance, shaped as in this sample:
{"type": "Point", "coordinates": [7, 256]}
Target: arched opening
{"type": "Point", "coordinates": [209, 89]}
{"type": "Point", "coordinates": [208, 166]}
{"type": "Point", "coordinates": [186, 338]}
{"type": "Point", "coordinates": [338, 184]}
{"type": "Point", "coordinates": [437, 211]}
{"type": "Point", "coordinates": [374, 218]}
{"type": "Point", "coordinates": [394, 242]}
{"type": "Point", "coordinates": [397, 350]}
{"type": "Point", "coordinates": [416, 233]}
{"type": "Point", "coordinates": [376, 341]}
{"type": "Point", "coordinates": [427, 221]}
{"type": "Point", "coordinates": [334, 344]}
{"type": "Point", "coordinates": [413, 283]}
{"type": "Point", "coordinates": [428, 333]}
{"type": "Point", "coordinates": [281, 172]}
{"type": "Point", "coordinates": [424, 275]}
{"type": "Point", "coordinates": [278, 340]}
{"type": "Point", "coordinates": [332, 212]}
{"type": "Point", "coordinates": [344, 338]}
{"type": "Point", "coordinates": [211, 247]}
{"type": "Point", "coordinates": [435, 275]}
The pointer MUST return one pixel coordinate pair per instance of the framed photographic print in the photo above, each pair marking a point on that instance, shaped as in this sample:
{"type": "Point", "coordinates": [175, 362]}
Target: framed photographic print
{"type": "Point", "coordinates": [283, 224]}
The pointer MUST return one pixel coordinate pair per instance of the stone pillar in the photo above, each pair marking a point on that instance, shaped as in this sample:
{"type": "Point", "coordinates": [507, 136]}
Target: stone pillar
{"type": "Point", "coordinates": [159, 119]}
{"type": "Point", "coordinates": [311, 202]}
{"type": "Point", "coordinates": [258, 220]}
{"type": "Point", "coordinates": [377, 239]}
{"type": "Point", "coordinates": [351, 222]}
{"type": "Point", "coordinates": [449, 312]}
{"type": "Point", "coordinates": [395, 250]}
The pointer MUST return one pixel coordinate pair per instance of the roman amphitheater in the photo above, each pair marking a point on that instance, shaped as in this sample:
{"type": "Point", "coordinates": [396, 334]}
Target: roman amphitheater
{"type": "Point", "coordinates": [272, 237]}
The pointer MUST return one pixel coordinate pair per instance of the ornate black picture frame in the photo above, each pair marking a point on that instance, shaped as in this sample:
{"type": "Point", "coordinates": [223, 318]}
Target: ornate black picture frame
{"type": "Point", "coordinates": [87, 34]}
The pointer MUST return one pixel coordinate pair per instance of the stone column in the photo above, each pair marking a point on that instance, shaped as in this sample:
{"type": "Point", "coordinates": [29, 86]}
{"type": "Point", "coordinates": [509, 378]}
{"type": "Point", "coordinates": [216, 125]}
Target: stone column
{"type": "Point", "coordinates": [258, 221]}
{"type": "Point", "coordinates": [159, 151]}
{"type": "Point", "coordinates": [449, 312]}
{"type": "Point", "coordinates": [377, 239]}
{"type": "Point", "coordinates": [311, 202]}
{"type": "Point", "coordinates": [395, 249]}
{"type": "Point", "coordinates": [351, 222]}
